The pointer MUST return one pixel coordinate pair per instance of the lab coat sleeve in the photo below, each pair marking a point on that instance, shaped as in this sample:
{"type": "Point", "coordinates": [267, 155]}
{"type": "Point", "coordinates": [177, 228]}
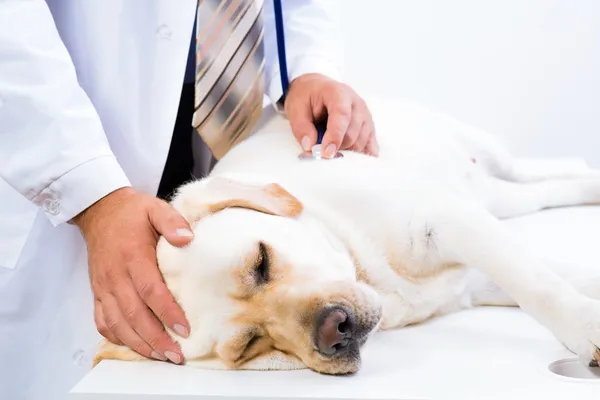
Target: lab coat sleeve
{"type": "Point", "coordinates": [312, 40]}
{"type": "Point", "coordinates": [53, 149]}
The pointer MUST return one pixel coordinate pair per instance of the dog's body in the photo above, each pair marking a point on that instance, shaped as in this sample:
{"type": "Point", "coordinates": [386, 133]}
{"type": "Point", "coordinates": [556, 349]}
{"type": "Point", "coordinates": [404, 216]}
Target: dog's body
{"type": "Point", "coordinates": [362, 243]}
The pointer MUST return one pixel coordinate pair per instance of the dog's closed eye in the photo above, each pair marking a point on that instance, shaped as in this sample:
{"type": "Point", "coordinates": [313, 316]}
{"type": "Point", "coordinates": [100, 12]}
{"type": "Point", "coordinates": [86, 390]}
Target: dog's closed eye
{"type": "Point", "coordinates": [252, 342]}
{"type": "Point", "coordinates": [261, 271]}
{"type": "Point", "coordinates": [252, 345]}
{"type": "Point", "coordinates": [255, 274]}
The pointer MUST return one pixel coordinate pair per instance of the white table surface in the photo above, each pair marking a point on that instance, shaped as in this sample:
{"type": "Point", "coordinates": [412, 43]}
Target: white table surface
{"type": "Point", "coordinates": [483, 354]}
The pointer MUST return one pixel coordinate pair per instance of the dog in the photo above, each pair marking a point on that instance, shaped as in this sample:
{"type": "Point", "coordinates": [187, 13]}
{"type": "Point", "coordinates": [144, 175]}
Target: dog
{"type": "Point", "coordinates": [296, 263]}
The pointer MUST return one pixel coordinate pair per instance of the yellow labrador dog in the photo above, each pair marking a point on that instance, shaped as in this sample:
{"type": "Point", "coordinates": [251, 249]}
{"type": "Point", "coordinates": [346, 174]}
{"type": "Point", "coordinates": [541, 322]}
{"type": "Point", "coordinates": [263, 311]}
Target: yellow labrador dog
{"type": "Point", "coordinates": [295, 263]}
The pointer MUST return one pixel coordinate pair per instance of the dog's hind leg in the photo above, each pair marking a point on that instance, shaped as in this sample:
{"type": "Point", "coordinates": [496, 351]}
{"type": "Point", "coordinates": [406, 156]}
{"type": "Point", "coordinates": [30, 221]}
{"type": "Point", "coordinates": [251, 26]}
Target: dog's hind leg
{"type": "Point", "coordinates": [492, 154]}
{"type": "Point", "coordinates": [534, 170]}
{"type": "Point", "coordinates": [509, 199]}
{"type": "Point", "coordinates": [494, 158]}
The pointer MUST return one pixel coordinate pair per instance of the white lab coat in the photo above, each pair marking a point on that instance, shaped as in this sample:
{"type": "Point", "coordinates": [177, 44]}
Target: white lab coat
{"type": "Point", "coordinates": [89, 92]}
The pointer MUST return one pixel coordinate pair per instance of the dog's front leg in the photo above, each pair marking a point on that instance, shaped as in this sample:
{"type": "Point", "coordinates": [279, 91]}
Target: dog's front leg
{"type": "Point", "coordinates": [469, 235]}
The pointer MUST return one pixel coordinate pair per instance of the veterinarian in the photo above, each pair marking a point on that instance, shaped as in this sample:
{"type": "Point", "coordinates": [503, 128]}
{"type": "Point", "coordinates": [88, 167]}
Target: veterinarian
{"type": "Point", "coordinates": [105, 108]}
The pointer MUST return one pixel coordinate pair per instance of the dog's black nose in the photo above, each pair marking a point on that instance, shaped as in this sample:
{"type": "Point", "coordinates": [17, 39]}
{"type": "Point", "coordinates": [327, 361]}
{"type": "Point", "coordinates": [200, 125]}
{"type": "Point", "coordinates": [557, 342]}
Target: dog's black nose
{"type": "Point", "coordinates": [335, 331]}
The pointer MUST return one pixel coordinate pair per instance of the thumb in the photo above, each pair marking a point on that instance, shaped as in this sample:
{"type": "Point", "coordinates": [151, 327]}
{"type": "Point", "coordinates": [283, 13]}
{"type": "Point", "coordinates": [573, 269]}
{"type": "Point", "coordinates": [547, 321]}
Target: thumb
{"type": "Point", "coordinates": [170, 224]}
{"type": "Point", "coordinates": [303, 128]}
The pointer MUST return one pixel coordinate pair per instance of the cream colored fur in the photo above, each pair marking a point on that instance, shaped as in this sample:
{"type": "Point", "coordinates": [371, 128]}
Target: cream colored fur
{"type": "Point", "coordinates": [400, 238]}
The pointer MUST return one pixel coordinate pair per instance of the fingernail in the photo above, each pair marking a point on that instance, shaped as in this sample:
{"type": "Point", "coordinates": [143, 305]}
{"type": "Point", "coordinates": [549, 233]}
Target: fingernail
{"type": "Point", "coordinates": [329, 150]}
{"type": "Point", "coordinates": [173, 357]}
{"type": "Point", "coordinates": [306, 143]}
{"type": "Point", "coordinates": [180, 330]}
{"type": "Point", "coordinates": [184, 232]}
{"type": "Point", "coordinates": [158, 356]}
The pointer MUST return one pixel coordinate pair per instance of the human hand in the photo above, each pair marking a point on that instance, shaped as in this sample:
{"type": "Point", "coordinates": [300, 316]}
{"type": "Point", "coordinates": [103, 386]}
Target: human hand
{"type": "Point", "coordinates": [314, 97]}
{"type": "Point", "coordinates": [131, 301]}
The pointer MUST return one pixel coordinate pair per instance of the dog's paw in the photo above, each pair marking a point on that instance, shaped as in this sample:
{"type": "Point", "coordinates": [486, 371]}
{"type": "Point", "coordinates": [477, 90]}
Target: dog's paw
{"type": "Point", "coordinates": [596, 359]}
{"type": "Point", "coordinates": [581, 332]}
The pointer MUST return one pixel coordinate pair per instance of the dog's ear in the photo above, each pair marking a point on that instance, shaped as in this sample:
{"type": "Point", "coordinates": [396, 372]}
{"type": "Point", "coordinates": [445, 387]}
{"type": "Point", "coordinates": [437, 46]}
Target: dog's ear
{"type": "Point", "coordinates": [110, 351]}
{"type": "Point", "coordinates": [273, 360]}
{"type": "Point", "coordinates": [201, 198]}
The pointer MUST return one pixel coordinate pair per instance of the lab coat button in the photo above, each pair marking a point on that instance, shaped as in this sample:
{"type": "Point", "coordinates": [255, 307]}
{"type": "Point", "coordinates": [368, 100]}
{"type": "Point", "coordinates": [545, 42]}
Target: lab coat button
{"type": "Point", "coordinates": [52, 206]}
{"type": "Point", "coordinates": [163, 32]}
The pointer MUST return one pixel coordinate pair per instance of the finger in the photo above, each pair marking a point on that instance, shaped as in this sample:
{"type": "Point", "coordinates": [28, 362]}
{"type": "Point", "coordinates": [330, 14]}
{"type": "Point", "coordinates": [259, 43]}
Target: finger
{"type": "Point", "coordinates": [146, 325]}
{"type": "Point", "coordinates": [170, 224]}
{"type": "Point", "coordinates": [339, 110]}
{"type": "Point", "coordinates": [101, 324]}
{"type": "Point", "coordinates": [122, 331]}
{"type": "Point", "coordinates": [354, 129]}
{"type": "Point", "coordinates": [152, 290]}
{"type": "Point", "coordinates": [367, 133]}
{"type": "Point", "coordinates": [301, 120]}
{"type": "Point", "coordinates": [363, 138]}
{"type": "Point", "coordinates": [373, 147]}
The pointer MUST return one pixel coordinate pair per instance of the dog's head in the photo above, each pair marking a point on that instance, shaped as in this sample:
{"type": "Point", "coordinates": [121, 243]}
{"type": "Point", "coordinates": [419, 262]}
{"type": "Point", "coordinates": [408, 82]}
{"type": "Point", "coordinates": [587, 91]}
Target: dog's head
{"type": "Point", "coordinates": [263, 285]}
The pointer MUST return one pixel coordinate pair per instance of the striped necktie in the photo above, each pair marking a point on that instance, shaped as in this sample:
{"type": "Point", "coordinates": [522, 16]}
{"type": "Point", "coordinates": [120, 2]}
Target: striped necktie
{"type": "Point", "coordinates": [229, 72]}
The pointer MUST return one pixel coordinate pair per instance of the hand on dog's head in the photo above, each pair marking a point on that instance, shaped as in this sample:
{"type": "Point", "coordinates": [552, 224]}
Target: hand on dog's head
{"type": "Point", "coordinates": [262, 284]}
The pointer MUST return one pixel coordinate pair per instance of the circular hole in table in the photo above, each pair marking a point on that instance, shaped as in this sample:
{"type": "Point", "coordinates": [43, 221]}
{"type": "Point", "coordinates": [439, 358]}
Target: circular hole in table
{"type": "Point", "coordinates": [573, 368]}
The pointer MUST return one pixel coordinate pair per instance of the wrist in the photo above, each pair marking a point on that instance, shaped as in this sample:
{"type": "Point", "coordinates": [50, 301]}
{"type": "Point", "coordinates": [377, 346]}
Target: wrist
{"type": "Point", "coordinates": [310, 76]}
{"type": "Point", "coordinates": [83, 219]}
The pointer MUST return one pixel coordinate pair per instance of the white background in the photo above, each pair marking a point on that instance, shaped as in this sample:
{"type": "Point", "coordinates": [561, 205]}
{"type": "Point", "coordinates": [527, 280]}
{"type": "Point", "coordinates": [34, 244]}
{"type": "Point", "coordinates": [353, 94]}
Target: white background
{"type": "Point", "coordinates": [528, 70]}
